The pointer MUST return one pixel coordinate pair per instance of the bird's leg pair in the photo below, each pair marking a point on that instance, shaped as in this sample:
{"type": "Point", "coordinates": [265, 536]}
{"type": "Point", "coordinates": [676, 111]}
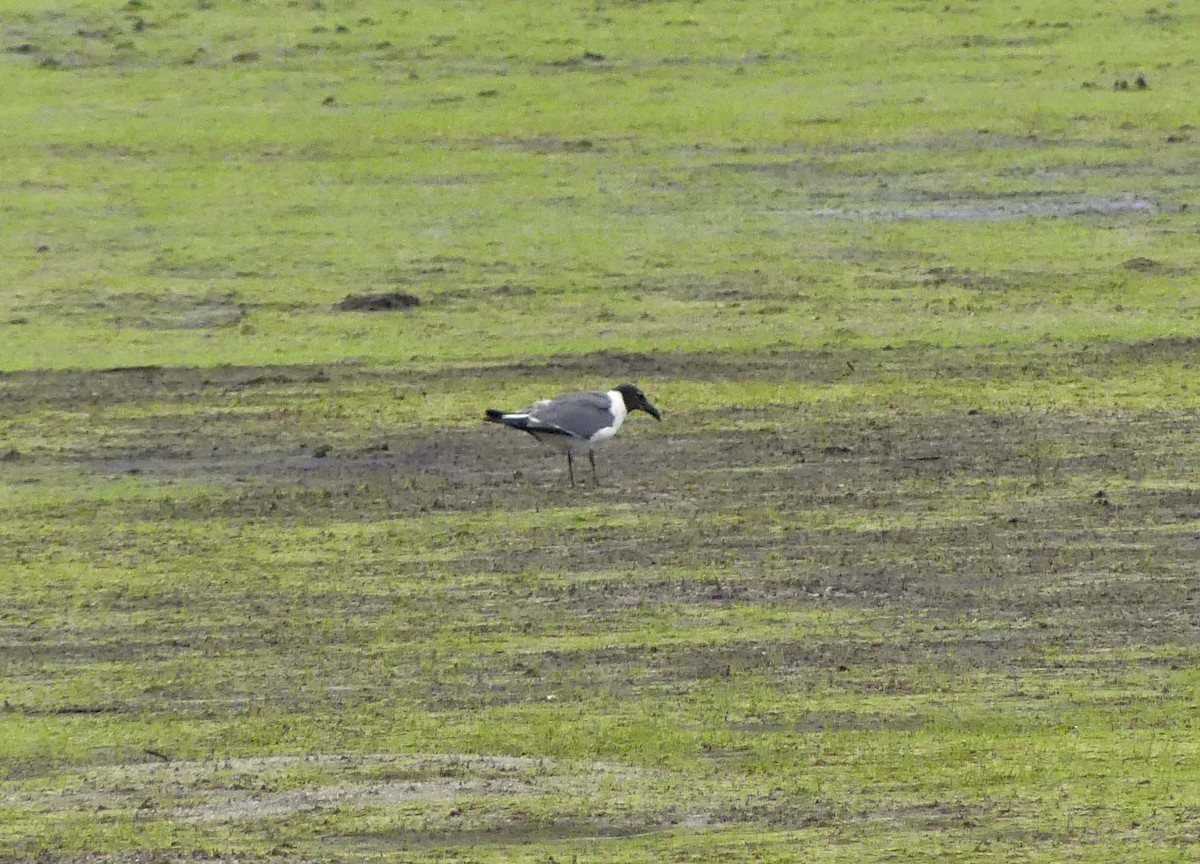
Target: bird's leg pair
{"type": "Point", "coordinates": [571, 467]}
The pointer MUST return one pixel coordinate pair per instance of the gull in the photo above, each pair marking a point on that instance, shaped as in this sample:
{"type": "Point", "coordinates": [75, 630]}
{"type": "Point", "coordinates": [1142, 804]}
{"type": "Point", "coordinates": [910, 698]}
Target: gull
{"type": "Point", "coordinates": [577, 421]}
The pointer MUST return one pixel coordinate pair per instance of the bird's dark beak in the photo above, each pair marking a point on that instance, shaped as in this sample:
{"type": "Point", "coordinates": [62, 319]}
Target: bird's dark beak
{"type": "Point", "coordinates": [651, 410]}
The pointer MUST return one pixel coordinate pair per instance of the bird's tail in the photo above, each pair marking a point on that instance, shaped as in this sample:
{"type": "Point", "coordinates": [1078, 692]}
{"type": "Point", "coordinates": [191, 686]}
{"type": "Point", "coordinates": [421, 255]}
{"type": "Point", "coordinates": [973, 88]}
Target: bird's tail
{"type": "Point", "coordinates": [512, 421]}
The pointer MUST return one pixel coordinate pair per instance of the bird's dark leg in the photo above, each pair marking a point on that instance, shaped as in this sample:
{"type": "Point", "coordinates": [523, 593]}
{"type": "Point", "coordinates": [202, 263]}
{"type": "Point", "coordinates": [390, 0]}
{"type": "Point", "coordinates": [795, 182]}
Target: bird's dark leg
{"type": "Point", "coordinates": [570, 468]}
{"type": "Point", "coordinates": [592, 459]}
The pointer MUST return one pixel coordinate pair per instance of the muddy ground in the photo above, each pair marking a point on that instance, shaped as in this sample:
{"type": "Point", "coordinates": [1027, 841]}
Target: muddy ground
{"type": "Point", "coordinates": [868, 601]}
{"type": "Point", "coordinates": [448, 567]}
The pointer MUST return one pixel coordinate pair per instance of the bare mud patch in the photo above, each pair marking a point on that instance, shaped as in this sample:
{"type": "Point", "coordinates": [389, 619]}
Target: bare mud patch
{"type": "Point", "coordinates": [241, 806]}
{"type": "Point", "coordinates": [168, 310]}
{"type": "Point", "coordinates": [989, 210]}
{"type": "Point", "coordinates": [246, 789]}
{"type": "Point", "coordinates": [125, 385]}
{"type": "Point", "coordinates": [386, 302]}
{"type": "Point", "coordinates": [422, 800]}
{"type": "Point", "coordinates": [546, 145]}
{"type": "Point", "coordinates": [837, 721]}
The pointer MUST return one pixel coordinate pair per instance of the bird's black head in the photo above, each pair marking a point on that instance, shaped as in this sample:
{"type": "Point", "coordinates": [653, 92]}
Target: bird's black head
{"type": "Point", "coordinates": [635, 399]}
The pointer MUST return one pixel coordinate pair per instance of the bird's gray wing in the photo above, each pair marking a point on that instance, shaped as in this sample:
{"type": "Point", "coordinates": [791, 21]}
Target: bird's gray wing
{"type": "Point", "coordinates": [582, 414]}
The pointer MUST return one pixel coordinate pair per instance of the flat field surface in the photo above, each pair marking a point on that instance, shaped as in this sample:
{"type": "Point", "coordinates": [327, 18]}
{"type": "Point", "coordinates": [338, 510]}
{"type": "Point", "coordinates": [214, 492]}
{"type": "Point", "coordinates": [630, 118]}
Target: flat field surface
{"type": "Point", "coordinates": [908, 571]}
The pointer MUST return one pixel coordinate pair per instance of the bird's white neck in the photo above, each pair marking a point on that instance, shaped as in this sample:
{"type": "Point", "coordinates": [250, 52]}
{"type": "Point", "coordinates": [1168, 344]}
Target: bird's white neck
{"type": "Point", "coordinates": [619, 411]}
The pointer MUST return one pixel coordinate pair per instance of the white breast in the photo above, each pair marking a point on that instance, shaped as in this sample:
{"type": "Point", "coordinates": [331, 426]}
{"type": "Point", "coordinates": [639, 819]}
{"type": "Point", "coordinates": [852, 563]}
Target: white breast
{"type": "Point", "coordinates": [619, 413]}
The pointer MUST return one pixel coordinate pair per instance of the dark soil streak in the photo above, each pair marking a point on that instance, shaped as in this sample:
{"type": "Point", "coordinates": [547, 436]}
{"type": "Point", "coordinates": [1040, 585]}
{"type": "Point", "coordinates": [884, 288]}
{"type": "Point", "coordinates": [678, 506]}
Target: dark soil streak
{"type": "Point", "coordinates": [129, 385]}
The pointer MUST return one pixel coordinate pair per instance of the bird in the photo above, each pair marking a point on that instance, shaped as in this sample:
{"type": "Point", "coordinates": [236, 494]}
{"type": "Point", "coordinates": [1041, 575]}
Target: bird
{"type": "Point", "coordinates": [577, 421]}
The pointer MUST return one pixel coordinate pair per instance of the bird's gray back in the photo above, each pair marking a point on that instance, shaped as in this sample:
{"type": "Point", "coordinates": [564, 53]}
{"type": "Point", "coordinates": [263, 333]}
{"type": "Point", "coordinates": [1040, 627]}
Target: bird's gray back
{"type": "Point", "coordinates": [583, 414]}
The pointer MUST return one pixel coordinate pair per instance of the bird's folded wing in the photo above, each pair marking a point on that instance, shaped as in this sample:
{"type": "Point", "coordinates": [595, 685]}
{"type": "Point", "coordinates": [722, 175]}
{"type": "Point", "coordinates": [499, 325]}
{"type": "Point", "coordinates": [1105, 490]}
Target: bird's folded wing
{"type": "Point", "coordinates": [581, 414]}
{"type": "Point", "coordinates": [531, 425]}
